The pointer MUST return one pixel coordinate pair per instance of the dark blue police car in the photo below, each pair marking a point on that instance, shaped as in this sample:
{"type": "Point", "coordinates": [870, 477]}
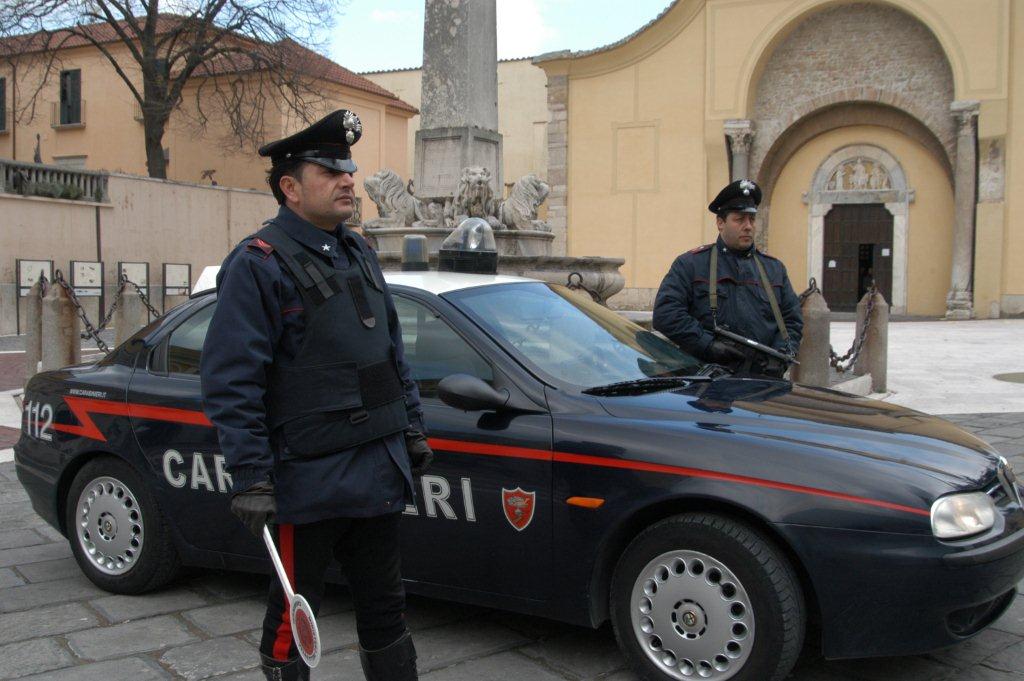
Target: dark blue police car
{"type": "Point", "coordinates": [586, 470]}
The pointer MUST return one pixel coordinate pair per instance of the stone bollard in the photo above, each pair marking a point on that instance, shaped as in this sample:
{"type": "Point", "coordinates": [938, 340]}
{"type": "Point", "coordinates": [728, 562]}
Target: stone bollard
{"type": "Point", "coordinates": [815, 344]}
{"type": "Point", "coordinates": [33, 329]}
{"type": "Point", "coordinates": [61, 342]}
{"type": "Point", "coordinates": [874, 355]}
{"type": "Point", "coordinates": [130, 316]}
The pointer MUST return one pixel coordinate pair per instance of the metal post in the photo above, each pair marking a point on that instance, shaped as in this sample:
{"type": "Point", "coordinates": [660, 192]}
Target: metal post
{"type": "Point", "coordinates": [814, 346]}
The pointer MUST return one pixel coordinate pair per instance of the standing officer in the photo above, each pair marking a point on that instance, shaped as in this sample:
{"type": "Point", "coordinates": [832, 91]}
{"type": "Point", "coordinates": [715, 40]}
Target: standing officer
{"type": "Point", "coordinates": [752, 298]}
{"type": "Point", "coordinates": [319, 420]}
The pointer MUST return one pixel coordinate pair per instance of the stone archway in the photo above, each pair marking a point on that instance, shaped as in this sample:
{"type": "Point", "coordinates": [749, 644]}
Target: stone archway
{"type": "Point", "coordinates": [864, 58]}
{"type": "Point", "coordinates": [861, 174]}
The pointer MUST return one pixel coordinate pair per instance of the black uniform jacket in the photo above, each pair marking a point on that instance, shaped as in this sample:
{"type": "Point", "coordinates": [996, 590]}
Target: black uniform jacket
{"type": "Point", "coordinates": [682, 308]}
{"type": "Point", "coordinates": [259, 318]}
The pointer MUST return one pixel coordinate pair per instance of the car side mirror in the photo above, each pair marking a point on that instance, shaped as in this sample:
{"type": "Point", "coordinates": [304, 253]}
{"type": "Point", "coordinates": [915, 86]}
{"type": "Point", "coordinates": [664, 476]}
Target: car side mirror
{"type": "Point", "coordinates": [470, 393]}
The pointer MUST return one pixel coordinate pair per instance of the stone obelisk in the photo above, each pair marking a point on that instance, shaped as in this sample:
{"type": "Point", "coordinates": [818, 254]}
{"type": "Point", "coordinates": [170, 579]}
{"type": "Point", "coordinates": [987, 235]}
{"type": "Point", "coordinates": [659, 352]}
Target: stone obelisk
{"type": "Point", "coordinates": [459, 100]}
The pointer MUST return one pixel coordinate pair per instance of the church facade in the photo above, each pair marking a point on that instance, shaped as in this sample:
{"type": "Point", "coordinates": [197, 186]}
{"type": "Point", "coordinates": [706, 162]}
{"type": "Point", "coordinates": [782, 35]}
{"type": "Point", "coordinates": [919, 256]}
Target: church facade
{"type": "Point", "coordinates": [887, 136]}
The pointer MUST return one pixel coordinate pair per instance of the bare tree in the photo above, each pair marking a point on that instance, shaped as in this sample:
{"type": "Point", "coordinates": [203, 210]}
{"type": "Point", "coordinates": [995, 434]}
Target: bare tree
{"type": "Point", "coordinates": [236, 57]}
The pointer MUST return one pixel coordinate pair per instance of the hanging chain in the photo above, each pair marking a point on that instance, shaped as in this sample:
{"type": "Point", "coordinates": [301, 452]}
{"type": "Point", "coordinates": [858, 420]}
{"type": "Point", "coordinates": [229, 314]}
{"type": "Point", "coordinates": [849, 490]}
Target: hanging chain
{"type": "Point", "coordinates": [812, 287]}
{"type": "Point", "coordinates": [844, 363]}
{"type": "Point", "coordinates": [94, 331]}
{"type": "Point", "coordinates": [577, 285]}
{"type": "Point", "coordinates": [142, 296]}
{"type": "Point", "coordinates": [90, 330]}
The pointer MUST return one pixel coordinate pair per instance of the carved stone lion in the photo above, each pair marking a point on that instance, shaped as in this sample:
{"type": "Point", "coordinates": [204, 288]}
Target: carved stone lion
{"type": "Point", "coordinates": [519, 210]}
{"type": "Point", "coordinates": [394, 202]}
{"type": "Point", "coordinates": [474, 197]}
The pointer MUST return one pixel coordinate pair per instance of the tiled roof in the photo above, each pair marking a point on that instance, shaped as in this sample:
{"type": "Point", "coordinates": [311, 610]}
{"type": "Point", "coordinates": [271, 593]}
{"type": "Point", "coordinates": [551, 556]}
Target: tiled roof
{"type": "Point", "coordinates": [307, 62]}
{"type": "Point", "coordinates": [297, 57]}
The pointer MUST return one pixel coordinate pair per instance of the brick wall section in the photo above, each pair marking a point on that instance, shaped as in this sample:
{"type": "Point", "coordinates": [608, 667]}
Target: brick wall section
{"type": "Point", "coordinates": [855, 52]}
{"type": "Point", "coordinates": [558, 161]}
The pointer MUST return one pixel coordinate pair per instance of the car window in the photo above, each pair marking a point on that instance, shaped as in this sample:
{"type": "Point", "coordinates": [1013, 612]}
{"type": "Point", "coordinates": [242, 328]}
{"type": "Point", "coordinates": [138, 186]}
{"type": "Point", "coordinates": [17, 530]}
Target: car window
{"type": "Point", "coordinates": [185, 345]}
{"type": "Point", "coordinates": [569, 337]}
{"type": "Point", "coordinates": [434, 350]}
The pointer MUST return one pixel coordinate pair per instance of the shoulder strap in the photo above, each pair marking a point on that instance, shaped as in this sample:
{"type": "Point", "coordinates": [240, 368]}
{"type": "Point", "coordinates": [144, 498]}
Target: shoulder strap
{"type": "Point", "coordinates": [713, 285]}
{"type": "Point", "coordinates": [308, 272]}
{"type": "Point", "coordinates": [772, 300]}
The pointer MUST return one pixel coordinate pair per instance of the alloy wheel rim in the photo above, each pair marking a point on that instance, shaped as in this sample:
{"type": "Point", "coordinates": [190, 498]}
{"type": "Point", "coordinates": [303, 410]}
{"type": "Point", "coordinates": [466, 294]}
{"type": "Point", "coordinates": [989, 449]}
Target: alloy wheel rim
{"type": "Point", "coordinates": [109, 525]}
{"type": "Point", "coordinates": [692, 617]}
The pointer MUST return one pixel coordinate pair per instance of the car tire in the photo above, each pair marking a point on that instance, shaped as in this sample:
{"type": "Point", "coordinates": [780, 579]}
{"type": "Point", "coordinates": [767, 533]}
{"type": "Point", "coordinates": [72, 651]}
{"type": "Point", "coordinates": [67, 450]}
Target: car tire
{"type": "Point", "coordinates": [117, 533]}
{"type": "Point", "coordinates": [704, 596]}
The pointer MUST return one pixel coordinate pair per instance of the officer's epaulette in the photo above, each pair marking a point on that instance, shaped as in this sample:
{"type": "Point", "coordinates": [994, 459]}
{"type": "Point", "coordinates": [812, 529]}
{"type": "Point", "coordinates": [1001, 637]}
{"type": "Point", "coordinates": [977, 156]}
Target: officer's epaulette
{"type": "Point", "coordinates": [701, 249]}
{"type": "Point", "coordinates": [260, 246]}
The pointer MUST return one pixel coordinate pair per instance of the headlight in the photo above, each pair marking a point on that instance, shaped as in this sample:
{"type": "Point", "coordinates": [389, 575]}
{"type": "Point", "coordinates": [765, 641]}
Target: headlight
{"type": "Point", "coordinates": [961, 515]}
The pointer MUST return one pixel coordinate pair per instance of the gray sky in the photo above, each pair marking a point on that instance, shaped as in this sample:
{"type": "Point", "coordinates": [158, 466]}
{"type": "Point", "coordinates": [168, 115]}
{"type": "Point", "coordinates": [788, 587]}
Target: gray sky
{"type": "Point", "coordinates": [373, 35]}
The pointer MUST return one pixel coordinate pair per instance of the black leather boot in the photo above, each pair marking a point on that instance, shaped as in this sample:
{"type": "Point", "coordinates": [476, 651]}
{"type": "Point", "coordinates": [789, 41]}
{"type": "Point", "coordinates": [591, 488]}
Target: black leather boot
{"type": "Point", "coordinates": [396, 662]}
{"type": "Point", "coordinates": [288, 670]}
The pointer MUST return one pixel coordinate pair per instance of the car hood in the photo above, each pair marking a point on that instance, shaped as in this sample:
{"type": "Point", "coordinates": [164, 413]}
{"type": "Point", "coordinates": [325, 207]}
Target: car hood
{"type": "Point", "coordinates": [824, 419]}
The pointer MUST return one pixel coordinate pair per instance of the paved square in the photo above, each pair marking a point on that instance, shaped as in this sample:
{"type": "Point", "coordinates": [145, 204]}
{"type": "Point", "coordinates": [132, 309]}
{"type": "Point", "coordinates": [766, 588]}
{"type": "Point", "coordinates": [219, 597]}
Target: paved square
{"type": "Point", "coordinates": [55, 625]}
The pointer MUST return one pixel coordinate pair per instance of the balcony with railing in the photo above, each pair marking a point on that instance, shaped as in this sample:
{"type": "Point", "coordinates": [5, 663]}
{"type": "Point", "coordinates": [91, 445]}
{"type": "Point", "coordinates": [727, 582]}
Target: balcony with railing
{"type": "Point", "coordinates": [35, 179]}
{"type": "Point", "coordinates": [67, 115]}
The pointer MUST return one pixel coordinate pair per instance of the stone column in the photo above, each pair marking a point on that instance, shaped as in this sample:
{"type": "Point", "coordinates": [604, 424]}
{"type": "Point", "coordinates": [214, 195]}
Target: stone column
{"type": "Point", "coordinates": [741, 137]}
{"type": "Point", "coordinates": [959, 301]}
{"type": "Point", "coordinates": [558, 163]}
{"type": "Point", "coordinates": [459, 108]}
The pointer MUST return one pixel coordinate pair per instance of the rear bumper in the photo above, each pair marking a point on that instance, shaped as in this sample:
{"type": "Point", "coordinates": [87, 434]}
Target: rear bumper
{"type": "Point", "coordinates": [896, 594]}
{"type": "Point", "coordinates": [41, 482]}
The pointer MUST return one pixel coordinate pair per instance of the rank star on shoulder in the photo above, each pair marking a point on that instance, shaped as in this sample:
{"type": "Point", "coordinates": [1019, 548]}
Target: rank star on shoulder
{"type": "Point", "coordinates": [326, 247]}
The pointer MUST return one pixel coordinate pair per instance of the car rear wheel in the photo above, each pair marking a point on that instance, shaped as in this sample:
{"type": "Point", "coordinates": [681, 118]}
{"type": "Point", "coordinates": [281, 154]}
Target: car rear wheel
{"type": "Point", "coordinates": [116, 530]}
{"type": "Point", "coordinates": [702, 596]}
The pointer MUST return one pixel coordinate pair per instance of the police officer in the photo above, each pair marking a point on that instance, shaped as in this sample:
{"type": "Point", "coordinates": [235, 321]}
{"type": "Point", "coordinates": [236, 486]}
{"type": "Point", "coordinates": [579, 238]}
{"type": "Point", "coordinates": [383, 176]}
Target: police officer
{"type": "Point", "coordinates": [751, 294]}
{"type": "Point", "coordinates": [319, 420]}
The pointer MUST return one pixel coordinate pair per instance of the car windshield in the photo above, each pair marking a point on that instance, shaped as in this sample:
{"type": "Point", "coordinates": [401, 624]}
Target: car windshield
{"type": "Point", "coordinates": [569, 337]}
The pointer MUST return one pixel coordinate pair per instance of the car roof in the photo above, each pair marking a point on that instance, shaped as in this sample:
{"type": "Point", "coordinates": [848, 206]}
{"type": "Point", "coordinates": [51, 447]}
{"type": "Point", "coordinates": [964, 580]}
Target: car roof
{"type": "Point", "coordinates": [431, 281]}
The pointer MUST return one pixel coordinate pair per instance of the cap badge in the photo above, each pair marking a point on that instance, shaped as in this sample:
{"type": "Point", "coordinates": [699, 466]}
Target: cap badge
{"type": "Point", "coordinates": [352, 126]}
{"type": "Point", "coordinates": [746, 186]}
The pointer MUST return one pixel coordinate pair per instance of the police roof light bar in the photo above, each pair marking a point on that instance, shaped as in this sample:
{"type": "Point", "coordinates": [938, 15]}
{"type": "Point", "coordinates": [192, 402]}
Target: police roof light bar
{"type": "Point", "coordinates": [304, 629]}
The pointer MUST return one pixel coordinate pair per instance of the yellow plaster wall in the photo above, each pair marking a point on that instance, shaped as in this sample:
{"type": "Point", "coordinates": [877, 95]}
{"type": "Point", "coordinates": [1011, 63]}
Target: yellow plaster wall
{"type": "Point", "coordinates": [1012, 283]}
{"type": "Point", "coordinates": [930, 223]}
{"type": "Point", "coordinates": [113, 140]}
{"type": "Point", "coordinates": [637, 168]}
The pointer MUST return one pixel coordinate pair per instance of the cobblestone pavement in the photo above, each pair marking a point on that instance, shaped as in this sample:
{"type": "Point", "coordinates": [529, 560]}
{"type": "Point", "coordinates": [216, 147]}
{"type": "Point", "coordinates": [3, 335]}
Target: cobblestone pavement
{"type": "Point", "coordinates": [54, 624]}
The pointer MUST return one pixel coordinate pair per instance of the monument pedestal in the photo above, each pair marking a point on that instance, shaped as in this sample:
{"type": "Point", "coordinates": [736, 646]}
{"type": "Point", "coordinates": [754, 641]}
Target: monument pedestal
{"type": "Point", "coordinates": [442, 153]}
{"type": "Point", "coordinates": [507, 241]}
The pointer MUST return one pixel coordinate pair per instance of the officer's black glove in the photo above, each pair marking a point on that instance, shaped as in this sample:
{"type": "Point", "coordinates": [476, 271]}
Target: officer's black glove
{"type": "Point", "coordinates": [420, 453]}
{"type": "Point", "coordinates": [255, 507]}
{"type": "Point", "coordinates": [724, 354]}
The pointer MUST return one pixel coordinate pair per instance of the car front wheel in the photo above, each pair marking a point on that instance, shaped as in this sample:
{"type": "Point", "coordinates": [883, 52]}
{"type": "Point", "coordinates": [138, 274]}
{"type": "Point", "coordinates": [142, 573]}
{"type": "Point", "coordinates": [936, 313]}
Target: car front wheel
{"type": "Point", "coordinates": [116, 531]}
{"type": "Point", "coordinates": [702, 596]}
